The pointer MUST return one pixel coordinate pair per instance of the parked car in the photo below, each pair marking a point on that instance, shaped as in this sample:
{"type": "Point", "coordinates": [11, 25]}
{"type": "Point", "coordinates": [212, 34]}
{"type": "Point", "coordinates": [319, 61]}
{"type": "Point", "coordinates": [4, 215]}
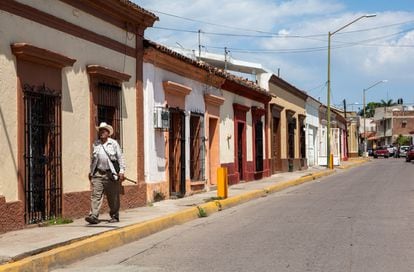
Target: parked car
{"type": "Point", "coordinates": [391, 150]}
{"type": "Point", "coordinates": [409, 156]}
{"type": "Point", "coordinates": [403, 150]}
{"type": "Point", "coordinates": [381, 151]}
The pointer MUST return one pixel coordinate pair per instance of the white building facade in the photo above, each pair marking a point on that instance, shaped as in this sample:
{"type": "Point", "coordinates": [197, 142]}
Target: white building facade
{"type": "Point", "coordinates": [312, 131]}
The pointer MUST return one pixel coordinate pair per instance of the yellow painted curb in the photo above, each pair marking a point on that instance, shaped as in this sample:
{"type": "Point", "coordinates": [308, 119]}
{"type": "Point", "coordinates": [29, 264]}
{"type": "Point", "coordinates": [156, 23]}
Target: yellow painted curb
{"type": "Point", "coordinates": [99, 243]}
{"type": "Point", "coordinates": [108, 240]}
{"type": "Point", "coordinates": [354, 164]}
{"type": "Point", "coordinates": [235, 200]}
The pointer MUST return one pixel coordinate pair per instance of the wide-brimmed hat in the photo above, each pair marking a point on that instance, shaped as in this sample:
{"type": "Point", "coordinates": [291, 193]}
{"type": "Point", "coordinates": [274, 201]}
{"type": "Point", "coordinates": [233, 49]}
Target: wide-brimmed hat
{"type": "Point", "coordinates": [104, 125]}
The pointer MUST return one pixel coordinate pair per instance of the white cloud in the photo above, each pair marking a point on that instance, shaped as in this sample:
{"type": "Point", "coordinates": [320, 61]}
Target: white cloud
{"type": "Point", "coordinates": [352, 65]}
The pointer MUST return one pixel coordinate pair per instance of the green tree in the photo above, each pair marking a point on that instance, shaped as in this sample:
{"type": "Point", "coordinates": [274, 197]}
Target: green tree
{"type": "Point", "coordinates": [387, 103]}
{"type": "Point", "coordinates": [403, 140]}
{"type": "Point", "coordinates": [370, 109]}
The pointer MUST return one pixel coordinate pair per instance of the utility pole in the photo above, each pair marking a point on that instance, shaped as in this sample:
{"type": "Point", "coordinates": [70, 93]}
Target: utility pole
{"type": "Point", "coordinates": [226, 52]}
{"type": "Point", "coordinates": [199, 44]}
{"type": "Point", "coordinates": [346, 130]}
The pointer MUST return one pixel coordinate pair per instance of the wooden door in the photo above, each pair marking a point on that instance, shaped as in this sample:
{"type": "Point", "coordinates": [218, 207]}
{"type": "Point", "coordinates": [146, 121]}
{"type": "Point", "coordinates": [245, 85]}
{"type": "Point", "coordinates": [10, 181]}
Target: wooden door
{"type": "Point", "coordinates": [177, 154]}
{"type": "Point", "coordinates": [275, 148]}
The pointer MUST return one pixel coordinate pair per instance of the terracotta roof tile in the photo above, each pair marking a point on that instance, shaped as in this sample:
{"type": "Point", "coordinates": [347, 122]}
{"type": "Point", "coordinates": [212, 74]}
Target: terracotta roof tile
{"type": "Point", "coordinates": [208, 67]}
{"type": "Point", "coordinates": [137, 8]}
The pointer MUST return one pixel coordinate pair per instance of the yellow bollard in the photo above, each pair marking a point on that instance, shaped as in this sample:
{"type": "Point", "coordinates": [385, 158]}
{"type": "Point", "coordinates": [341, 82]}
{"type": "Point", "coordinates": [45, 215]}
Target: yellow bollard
{"type": "Point", "coordinates": [331, 162]}
{"type": "Point", "coordinates": [222, 183]}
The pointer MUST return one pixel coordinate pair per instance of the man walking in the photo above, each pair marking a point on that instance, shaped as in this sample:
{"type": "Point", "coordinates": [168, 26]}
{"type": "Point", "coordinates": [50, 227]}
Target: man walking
{"type": "Point", "coordinates": [106, 171]}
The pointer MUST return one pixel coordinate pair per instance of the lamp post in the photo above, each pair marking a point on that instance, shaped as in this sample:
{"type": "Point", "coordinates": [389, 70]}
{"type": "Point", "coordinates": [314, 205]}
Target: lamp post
{"type": "Point", "coordinates": [365, 119]}
{"type": "Point", "coordinates": [328, 117]}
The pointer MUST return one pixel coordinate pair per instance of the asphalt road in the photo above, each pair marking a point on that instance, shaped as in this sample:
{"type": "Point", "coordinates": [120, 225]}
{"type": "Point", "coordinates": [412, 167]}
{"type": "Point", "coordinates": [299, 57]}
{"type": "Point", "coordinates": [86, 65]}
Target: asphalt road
{"type": "Point", "coordinates": [357, 220]}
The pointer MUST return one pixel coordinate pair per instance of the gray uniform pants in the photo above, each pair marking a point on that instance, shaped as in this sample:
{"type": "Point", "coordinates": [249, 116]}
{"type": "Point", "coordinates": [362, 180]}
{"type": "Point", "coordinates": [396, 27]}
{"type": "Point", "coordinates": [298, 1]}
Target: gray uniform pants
{"type": "Point", "coordinates": [102, 184]}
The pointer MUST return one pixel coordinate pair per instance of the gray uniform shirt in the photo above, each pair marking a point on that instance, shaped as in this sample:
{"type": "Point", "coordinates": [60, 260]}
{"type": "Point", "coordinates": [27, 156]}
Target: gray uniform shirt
{"type": "Point", "coordinates": [98, 156]}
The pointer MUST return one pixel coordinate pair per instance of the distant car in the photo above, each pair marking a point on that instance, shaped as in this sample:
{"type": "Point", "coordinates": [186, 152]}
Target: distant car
{"type": "Point", "coordinates": [381, 152]}
{"type": "Point", "coordinates": [403, 150]}
{"type": "Point", "coordinates": [370, 152]}
{"type": "Point", "coordinates": [409, 156]}
{"type": "Point", "coordinates": [391, 150]}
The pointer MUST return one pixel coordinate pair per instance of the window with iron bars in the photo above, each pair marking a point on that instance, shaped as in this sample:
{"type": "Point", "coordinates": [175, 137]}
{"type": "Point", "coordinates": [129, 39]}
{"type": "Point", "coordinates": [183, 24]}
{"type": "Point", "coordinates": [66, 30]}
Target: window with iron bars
{"type": "Point", "coordinates": [291, 137]}
{"type": "Point", "coordinates": [109, 107]}
{"type": "Point", "coordinates": [197, 149]}
{"type": "Point", "coordinates": [258, 126]}
{"type": "Point", "coordinates": [302, 139]}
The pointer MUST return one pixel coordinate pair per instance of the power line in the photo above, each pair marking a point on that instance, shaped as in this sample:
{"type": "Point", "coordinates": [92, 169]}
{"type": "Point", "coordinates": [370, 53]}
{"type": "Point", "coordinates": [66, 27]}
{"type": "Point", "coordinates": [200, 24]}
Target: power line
{"type": "Point", "coordinates": [270, 34]}
{"type": "Point", "coordinates": [208, 23]}
{"type": "Point", "coordinates": [323, 48]}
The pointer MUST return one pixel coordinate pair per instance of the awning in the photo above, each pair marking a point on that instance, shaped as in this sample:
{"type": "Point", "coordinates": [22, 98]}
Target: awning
{"type": "Point", "coordinates": [368, 134]}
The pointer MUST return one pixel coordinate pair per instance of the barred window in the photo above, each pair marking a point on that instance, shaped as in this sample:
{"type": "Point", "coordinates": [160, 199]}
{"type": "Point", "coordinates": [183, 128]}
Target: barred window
{"type": "Point", "coordinates": [259, 145]}
{"type": "Point", "coordinates": [291, 135]}
{"type": "Point", "coordinates": [109, 106]}
{"type": "Point", "coordinates": [302, 139]}
{"type": "Point", "coordinates": [106, 103]}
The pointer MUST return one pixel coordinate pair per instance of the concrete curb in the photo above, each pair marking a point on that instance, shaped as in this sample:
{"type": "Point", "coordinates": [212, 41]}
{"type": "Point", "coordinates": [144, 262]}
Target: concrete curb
{"type": "Point", "coordinates": [99, 243]}
{"type": "Point", "coordinates": [354, 164]}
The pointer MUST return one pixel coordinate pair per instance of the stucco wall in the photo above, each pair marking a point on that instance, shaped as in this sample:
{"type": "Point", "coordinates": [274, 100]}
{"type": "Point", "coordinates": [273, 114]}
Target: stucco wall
{"type": "Point", "coordinates": [227, 127]}
{"type": "Point", "coordinates": [289, 102]}
{"type": "Point", "coordinates": [78, 17]}
{"type": "Point", "coordinates": [75, 98]}
{"type": "Point", "coordinates": [312, 125]}
{"type": "Point", "coordinates": [155, 157]}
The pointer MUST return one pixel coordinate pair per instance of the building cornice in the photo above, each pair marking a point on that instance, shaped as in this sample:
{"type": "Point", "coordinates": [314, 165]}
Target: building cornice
{"type": "Point", "coordinates": [97, 70]}
{"type": "Point", "coordinates": [28, 52]}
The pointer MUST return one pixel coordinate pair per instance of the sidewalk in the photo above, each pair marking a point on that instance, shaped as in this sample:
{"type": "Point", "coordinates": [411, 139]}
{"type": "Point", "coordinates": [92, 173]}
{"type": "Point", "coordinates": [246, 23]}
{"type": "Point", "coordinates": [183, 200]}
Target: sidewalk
{"type": "Point", "coordinates": [79, 237]}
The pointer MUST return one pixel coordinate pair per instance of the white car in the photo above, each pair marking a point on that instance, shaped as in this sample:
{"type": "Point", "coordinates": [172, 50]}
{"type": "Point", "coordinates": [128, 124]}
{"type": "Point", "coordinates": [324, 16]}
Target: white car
{"type": "Point", "coordinates": [403, 150]}
{"type": "Point", "coordinates": [391, 150]}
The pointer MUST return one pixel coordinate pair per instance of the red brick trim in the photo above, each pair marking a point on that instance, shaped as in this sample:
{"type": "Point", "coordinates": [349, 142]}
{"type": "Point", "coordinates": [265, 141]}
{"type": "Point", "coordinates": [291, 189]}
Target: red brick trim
{"type": "Point", "coordinates": [240, 117]}
{"type": "Point", "coordinates": [176, 89]}
{"type": "Point", "coordinates": [288, 87]}
{"type": "Point", "coordinates": [181, 67]}
{"type": "Point", "coordinates": [78, 204]}
{"type": "Point", "coordinates": [139, 61]}
{"type": "Point", "coordinates": [42, 56]}
{"type": "Point", "coordinates": [116, 12]}
{"type": "Point", "coordinates": [11, 215]}
{"type": "Point", "coordinates": [239, 89]}
{"type": "Point", "coordinates": [46, 19]}
{"type": "Point", "coordinates": [213, 100]}
{"type": "Point", "coordinates": [258, 112]}
{"type": "Point", "coordinates": [97, 70]}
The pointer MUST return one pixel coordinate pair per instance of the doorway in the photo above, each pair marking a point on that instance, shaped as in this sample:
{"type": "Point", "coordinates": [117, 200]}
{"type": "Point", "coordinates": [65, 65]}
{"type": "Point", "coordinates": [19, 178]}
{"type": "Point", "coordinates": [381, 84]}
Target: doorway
{"type": "Point", "coordinates": [42, 154]}
{"type": "Point", "coordinates": [213, 145]}
{"type": "Point", "coordinates": [240, 149]}
{"type": "Point", "coordinates": [276, 150]}
{"type": "Point", "coordinates": [177, 153]}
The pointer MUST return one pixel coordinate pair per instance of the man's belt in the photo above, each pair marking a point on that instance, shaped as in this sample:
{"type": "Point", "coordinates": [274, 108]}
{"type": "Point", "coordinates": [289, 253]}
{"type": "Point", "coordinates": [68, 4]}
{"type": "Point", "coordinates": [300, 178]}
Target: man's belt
{"type": "Point", "coordinates": [103, 172]}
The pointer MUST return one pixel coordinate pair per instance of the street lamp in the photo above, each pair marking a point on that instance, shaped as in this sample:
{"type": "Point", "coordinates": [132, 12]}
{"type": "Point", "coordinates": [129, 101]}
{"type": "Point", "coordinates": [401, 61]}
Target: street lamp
{"type": "Point", "coordinates": [365, 120]}
{"type": "Point", "coordinates": [328, 136]}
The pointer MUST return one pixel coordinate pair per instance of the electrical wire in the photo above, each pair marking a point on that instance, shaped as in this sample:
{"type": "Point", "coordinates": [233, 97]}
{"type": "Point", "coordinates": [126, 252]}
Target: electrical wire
{"type": "Point", "coordinates": [270, 34]}
{"type": "Point", "coordinates": [322, 48]}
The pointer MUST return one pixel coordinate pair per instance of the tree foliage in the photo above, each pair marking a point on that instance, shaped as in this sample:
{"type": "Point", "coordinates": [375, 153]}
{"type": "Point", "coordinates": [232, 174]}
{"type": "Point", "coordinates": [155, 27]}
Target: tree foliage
{"type": "Point", "coordinates": [388, 103]}
{"type": "Point", "coordinates": [403, 140]}
{"type": "Point", "coordinates": [370, 109]}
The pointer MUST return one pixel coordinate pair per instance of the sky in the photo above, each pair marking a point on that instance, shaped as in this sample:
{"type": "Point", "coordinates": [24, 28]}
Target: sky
{"type": "Point", "coordinates": [293, 36]}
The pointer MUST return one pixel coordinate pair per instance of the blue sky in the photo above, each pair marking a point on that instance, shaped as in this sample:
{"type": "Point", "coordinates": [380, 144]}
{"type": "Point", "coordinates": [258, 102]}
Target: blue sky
{"type": "Point", "coordinates": [370, 50]}
{"type": "Point", "coordinates": [380, 5]}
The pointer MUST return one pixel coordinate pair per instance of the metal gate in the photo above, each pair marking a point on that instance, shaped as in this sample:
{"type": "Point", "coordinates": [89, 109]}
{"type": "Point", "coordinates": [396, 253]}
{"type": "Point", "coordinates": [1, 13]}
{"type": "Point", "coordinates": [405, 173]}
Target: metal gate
{"type": "Point", "coordinates": [42, 153]}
